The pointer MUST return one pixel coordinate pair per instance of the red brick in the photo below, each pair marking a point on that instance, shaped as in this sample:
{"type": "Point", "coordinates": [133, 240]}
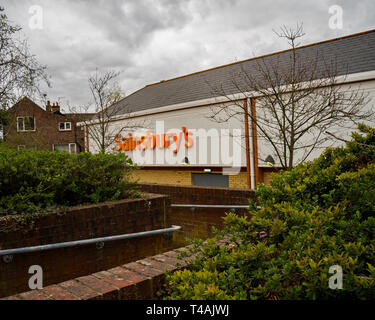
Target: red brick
{"type": "Point", "coordinates": [144, 290]}
{"type": "Point", "coordinates": [126, 288]}
{"type": "Point", "coordinates": [173, 261]}
{"type": "Point", "coordinates": [132, 276]}
{"type": "Point", "coordinates": [15, 297]}
{"type": "Point", "coordinates": [79, 290]}
{"type": "Point", "coordinates": [56, 292]}
{"type": "Point", "coordinates": [172, 254]}
{"type": "Point", "coordinates": [162, 266]}
{"type": "Point", "coordinates": [116, 280]}
{"type": "Point", "coordinates": [33, 295]}
{"type": "Point", "coordinates": [81, 223]}
{"type": "Point", "coordinates": [142, 269]}
{"type": "Point", "coordinates": [141, 288]}
{"type": "Point", "coordinates": [104, 289]}
{"type": "Point", "coordinates": [46, 125]}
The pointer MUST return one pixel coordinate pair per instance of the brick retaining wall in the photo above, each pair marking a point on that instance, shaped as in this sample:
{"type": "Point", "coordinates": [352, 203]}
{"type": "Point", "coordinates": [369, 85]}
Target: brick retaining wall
{"type": "Point", "coordinates": [141, 280]}
{"type": "Point", "coordinates": [198, 222]}
{"type": "Point", "coordinates": [200, 195]}
{"type": "Point", "coordinates": [126, 216]}
{"type": "Point", "coordinates": [77, 223]}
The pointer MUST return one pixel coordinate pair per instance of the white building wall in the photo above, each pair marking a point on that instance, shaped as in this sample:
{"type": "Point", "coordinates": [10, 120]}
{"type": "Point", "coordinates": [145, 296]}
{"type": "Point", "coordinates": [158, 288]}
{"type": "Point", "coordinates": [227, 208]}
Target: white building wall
{"type": "Point", "coordinates": [214, 144]}
{"type": "Point", "coordinates": [225, 146]}
{"type": "Point", "coordinates": [345, 131]}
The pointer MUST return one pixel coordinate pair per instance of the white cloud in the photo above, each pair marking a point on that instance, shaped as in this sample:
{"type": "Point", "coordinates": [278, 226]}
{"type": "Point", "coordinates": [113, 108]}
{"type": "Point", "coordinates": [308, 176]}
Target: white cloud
{"type": "Point", "coordinates": [152, 40]}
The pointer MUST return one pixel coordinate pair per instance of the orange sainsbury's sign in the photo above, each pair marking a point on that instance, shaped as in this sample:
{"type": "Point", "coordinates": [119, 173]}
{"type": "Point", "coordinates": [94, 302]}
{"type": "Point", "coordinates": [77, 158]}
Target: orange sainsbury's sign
{"type": "Point", "coordinates": [150, 141]}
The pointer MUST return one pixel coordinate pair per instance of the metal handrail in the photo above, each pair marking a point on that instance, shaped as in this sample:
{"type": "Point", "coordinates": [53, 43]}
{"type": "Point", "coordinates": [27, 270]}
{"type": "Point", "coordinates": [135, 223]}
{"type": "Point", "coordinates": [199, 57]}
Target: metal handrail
{"type": "Point", "coordinates": [231, 206]}
{"type": "Point", "coordinates": [87, 241]}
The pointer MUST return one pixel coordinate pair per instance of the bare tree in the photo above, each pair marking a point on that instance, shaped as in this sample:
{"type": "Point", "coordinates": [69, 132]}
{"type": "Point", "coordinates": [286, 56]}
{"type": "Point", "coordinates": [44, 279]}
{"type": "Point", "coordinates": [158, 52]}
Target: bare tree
{"type": "Point", "coordinates": [20, 72]}
{"type": "Point", "coordinates": [106, 94]}
{"type": "Point", "coordinates": [296, 101]}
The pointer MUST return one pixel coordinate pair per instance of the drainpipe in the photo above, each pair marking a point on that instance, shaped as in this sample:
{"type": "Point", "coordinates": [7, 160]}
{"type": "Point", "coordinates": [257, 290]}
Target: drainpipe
{"type": "Point", "coordinates": [252, 171]}
{"type": "Point", "coordinates": [84, 139]}
{"type": "Point", "coordinates": [246, 124]}
{"type": "Point", "coordinates": [87, 139]}
{"type": "Point", "coordinates": [254, 141]}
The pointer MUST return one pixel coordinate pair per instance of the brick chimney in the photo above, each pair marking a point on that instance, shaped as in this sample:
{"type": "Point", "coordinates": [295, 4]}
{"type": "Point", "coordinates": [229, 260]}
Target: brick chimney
{"type": "Point", "coordinates": [48, 106]}
{"type": "Point", "coordinates": [55, 107]}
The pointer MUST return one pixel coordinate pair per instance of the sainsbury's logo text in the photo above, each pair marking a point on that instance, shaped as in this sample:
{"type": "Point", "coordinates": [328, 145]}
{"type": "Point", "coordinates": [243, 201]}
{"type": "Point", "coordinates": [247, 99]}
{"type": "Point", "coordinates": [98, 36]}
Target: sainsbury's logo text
{"type": "Point", "coordinates": [151, 141]}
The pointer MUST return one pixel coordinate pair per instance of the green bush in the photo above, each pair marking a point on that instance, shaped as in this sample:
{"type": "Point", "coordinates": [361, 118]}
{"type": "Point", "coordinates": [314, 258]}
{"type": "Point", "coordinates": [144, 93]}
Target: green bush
{"type": "Point", "coordinates": [317, 215]}
{"type": "Point", "coordinates": [32, 181]}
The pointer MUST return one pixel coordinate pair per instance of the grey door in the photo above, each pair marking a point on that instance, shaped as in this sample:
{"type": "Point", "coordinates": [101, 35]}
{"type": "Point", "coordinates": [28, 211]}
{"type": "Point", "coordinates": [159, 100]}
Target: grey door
{"type": "Point", "coordinates": [210, 180]}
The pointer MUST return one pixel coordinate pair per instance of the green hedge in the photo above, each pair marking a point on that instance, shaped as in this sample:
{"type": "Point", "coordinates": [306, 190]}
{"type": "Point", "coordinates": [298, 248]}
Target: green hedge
{"type": "Point", "coordinates": [32, 181]}
{"type": "Point", "coordinates": [312, 217]}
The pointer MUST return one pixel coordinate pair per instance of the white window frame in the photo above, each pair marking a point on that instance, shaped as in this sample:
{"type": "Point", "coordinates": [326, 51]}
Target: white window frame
{"type": "Point", "coordinates": [22, 147]}
{"type": "Point", "coordinates": [71, 146]}
{"type": "Point", "coordinates": [23, 118]}
{"type": "Point", "coordinates": [65, 129]}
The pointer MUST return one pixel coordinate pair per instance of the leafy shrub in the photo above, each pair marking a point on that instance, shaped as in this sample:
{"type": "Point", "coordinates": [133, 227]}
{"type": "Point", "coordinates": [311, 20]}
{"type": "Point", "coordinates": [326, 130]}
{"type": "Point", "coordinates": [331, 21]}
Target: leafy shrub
{"type": "Point", "coordinates": [33, 181]}
{"type": "Point", "coordinates": [317, 215]}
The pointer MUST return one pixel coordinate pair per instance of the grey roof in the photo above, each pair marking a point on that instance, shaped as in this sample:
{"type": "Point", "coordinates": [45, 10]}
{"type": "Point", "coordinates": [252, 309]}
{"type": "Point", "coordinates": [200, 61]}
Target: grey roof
{"type": "Point", "coordinates": [350, 54]}
{"type": "Point", "coordinates": [80, 116]}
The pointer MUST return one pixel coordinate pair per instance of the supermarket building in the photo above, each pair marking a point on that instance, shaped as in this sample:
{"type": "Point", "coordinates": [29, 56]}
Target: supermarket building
{"type": "Point", "coordinates": [179, 143]}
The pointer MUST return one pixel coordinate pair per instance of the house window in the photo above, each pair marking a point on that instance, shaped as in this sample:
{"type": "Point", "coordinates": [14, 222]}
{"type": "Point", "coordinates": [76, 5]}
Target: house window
{"type": "Point", "coordinates": [68, 147]}
{"type": "Point", "coordinates": [21, 147]}
{"type": "Point", "coordinates": [25, 124]}
{"type": "Point", "coordinates": [65, 126]}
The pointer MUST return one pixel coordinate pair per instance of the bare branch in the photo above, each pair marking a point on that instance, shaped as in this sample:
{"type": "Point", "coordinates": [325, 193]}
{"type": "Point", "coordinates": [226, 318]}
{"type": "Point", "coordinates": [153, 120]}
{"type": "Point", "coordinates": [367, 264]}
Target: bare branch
{"type": "Point", "coordinates": [347, 141]}
{"type": "Point", "coordinates": [297, 101]}
{"type": "Point", "coordinates": [107, 102]}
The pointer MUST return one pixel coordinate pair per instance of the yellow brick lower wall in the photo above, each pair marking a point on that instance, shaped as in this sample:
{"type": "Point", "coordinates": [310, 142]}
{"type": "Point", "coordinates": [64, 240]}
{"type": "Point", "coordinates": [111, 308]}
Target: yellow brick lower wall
{"type": "Point", "coordinates": [238, 181]}
{"type": "Point", "coordinates": [267, 178]}
{"type": "Point", "coordinates": [184, 178]}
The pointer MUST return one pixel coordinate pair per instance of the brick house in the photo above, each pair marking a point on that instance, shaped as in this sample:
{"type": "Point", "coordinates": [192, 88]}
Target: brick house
{"type": "Point", "coordinates": [33, 127]}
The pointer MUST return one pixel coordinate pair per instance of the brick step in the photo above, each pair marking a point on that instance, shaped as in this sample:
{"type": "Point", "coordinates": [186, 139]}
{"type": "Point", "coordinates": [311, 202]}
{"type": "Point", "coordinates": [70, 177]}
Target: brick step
{"type": "Point", "coordinates": [140, 280]}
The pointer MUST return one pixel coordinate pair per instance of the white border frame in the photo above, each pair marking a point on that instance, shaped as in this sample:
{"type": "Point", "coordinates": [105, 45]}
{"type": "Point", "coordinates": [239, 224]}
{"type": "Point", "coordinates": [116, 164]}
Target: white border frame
{"type": "Point", "coordinates": [63, 144]}
{"type": "Point", "coordinates": [23, 117]}
{"type": "Point", "coordinates": [65, 122]}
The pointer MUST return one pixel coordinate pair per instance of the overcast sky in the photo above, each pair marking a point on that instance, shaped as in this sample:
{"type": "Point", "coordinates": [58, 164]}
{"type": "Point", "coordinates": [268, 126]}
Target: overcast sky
{"type": "Point", "coordinates": [153, 40]}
